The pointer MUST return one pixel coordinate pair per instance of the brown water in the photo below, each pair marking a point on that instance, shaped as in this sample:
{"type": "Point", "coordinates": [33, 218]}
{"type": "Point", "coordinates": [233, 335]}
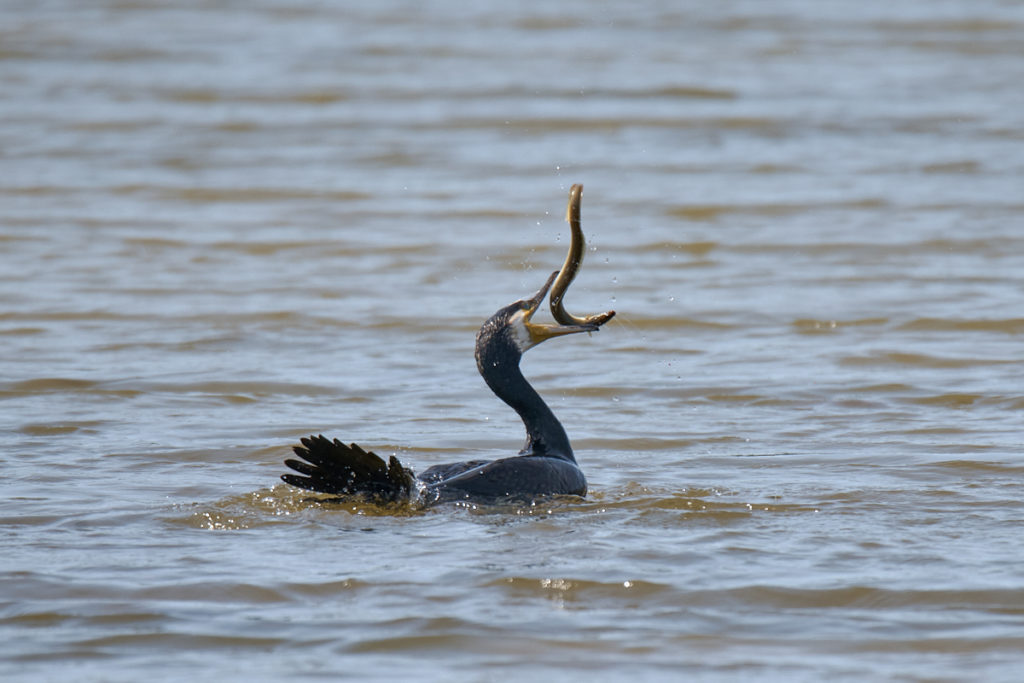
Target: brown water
{"type": "Point", "coordinates": [227, 225]}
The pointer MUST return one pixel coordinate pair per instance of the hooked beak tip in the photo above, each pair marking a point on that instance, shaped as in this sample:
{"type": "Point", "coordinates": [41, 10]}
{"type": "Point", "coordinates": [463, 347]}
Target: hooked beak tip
{"type": "Point", "coordinates": [535, 300]}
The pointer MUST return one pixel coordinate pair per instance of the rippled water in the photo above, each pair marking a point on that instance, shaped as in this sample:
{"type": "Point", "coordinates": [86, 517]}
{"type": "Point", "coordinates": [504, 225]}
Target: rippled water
{"type": "Point", "coordinates": [224, 226]}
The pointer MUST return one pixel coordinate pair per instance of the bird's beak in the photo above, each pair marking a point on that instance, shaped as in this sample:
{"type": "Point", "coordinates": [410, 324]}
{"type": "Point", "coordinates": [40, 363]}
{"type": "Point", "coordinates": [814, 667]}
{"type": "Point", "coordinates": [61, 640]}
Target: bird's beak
{"type": "Point", "coordinates": [541, 331]}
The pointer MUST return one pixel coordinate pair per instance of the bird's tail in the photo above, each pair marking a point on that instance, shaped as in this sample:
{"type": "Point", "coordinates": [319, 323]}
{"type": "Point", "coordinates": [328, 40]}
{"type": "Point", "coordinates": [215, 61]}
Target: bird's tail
{"type": "Point", "coordinates": [333, 467]}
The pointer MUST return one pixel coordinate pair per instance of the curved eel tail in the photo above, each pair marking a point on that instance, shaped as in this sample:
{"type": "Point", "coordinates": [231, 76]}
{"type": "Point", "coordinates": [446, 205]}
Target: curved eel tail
{"type": "Point", "coordinates": [333, 467]}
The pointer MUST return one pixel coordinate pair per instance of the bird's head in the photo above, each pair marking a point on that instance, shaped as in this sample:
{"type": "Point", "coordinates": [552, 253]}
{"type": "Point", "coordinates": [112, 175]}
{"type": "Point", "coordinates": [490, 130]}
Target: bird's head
{"type": "Point", "coordinates": [511, 329]}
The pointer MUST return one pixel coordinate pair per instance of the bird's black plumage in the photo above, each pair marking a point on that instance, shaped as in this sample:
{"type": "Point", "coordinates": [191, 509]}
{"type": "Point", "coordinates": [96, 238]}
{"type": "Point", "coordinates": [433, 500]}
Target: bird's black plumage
{"type": "Point", "coordinates": [546, 464]}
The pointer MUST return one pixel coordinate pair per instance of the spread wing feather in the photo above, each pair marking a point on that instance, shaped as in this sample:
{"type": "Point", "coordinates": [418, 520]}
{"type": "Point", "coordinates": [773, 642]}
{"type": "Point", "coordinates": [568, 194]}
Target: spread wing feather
{"type": "Point", "coordinates": [334, 467]}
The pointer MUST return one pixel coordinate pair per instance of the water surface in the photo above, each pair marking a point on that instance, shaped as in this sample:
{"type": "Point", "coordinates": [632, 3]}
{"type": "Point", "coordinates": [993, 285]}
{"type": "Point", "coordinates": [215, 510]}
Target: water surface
{"type": "Point", "coordinates": [224, 226]}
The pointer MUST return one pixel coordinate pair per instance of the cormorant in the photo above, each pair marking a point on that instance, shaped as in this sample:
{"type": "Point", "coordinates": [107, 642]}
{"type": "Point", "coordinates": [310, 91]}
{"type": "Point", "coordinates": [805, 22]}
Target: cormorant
{"type": "Point", "coordinates": [545, 465]}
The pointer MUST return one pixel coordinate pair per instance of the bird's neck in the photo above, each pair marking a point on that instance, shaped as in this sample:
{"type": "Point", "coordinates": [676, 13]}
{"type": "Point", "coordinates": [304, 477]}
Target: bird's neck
{"type": "Point", "coordinates": [544, 433]}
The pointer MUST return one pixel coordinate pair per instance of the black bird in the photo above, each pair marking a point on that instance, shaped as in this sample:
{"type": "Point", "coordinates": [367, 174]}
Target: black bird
{"type": "Point", "coordinates": [545, 465]}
